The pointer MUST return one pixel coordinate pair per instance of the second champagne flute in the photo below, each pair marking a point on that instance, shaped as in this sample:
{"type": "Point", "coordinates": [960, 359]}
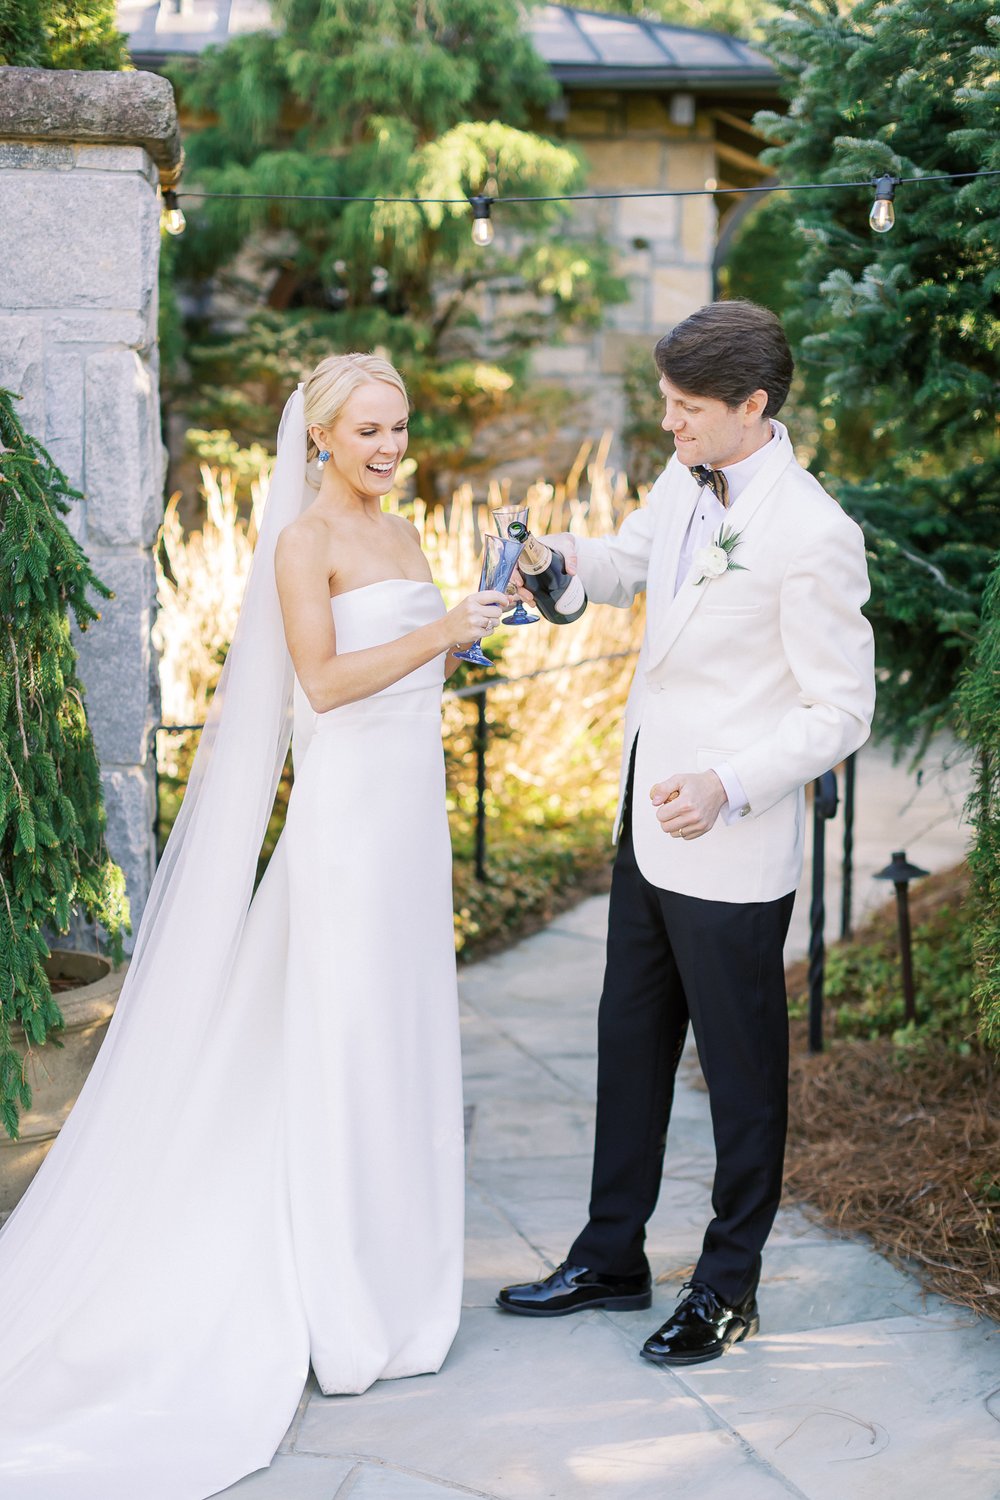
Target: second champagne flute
{"type": "Point", "coordinates": [502, 518]}
{"type": "Point", "coordinates": [500, 555]}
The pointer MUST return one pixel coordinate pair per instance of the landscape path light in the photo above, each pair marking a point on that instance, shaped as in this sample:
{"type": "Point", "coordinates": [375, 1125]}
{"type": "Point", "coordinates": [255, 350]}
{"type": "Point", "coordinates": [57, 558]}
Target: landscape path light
{"type": "Point", "coordinates": [901, 872]}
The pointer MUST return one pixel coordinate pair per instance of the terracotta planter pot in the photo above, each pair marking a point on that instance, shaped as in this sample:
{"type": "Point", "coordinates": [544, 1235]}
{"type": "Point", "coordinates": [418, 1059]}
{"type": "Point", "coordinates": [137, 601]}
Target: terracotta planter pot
{"type": "Point", "coordinates": [57, 1073]}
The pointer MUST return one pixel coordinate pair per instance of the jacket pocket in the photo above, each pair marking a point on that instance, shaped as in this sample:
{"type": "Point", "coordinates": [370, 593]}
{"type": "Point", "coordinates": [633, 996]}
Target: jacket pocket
{"type": "Point", "coordinates": [731, 611]}
{"type": "Point", "coordinates": [708, 757]}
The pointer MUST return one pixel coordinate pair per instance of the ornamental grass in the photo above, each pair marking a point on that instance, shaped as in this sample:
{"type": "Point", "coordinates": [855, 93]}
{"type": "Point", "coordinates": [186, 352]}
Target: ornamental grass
{"type": "Point", "coordinates": [554, 735]}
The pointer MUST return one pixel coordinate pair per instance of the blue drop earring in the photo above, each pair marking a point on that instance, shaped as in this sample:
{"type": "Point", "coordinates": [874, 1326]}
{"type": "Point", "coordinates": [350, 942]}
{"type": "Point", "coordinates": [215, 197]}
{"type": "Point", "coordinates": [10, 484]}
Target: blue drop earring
{"type": "Point", "coordinates": [323, 459]}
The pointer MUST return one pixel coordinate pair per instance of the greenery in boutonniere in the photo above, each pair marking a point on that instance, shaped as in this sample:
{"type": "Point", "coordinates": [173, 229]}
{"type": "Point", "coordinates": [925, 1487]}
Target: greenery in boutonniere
{"type": "Point", "coordinates": [717, 559]}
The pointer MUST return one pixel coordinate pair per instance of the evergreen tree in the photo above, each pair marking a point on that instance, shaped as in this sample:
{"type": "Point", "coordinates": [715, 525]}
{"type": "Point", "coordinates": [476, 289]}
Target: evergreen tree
{"type": "Point", "coordinates": [979, 708]}
{"type": "Point", "coordinates": [762, 263]}
{"type": "Point", "coordinates": [61, 34]}
{"type": "Point", "coordinates": [897, 334]}
{"type": "Point", "coordinates": [23, 43]}
{"type": "Point", "coordinates": [52, 852]}
{"type": "Point", "coordinates": [381, 98]}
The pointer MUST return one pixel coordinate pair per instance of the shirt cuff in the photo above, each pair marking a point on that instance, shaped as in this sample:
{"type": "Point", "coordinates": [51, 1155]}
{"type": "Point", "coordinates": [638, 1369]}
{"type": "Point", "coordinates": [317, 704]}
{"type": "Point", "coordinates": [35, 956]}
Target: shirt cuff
{"type": "Point", "coordinates": [738, 805]}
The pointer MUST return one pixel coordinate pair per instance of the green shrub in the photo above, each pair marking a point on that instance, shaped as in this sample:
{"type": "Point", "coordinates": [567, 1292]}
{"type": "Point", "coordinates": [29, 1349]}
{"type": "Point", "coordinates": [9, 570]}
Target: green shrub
{"type": "Point", "coordinates": [538, 859]}
{"type": "Point", "coordinates": [979, 708]}
{"type": "Point", "coordinates": [61, 34]}
{"type": "Point", "coordinates": [52, 852]}
{"type": "Point", "coordinates": [864, 985]}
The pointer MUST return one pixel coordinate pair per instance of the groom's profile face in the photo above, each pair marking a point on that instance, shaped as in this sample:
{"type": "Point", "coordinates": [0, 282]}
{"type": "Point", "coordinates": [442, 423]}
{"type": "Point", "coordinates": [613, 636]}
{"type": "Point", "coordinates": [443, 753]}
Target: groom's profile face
{"type": "Point", "coordinates": [709, 431]}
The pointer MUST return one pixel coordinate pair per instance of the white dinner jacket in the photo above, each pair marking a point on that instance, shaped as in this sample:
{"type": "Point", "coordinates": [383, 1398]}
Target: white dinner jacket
{"type": "Point", "coordinates": [770, 669]}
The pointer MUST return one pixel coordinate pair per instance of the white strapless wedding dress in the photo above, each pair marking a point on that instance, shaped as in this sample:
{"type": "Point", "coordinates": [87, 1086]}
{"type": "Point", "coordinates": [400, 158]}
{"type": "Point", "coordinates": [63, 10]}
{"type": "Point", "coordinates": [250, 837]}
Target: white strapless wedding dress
{"type": "Point", "coordinates": [307, 1200]}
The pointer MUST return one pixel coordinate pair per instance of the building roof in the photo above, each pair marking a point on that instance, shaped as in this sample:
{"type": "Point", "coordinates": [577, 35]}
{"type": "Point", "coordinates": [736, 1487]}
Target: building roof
{"type": "Point", "coordinates": [587, 49]}
{"type": "Point", "coordinates": [583, 48]}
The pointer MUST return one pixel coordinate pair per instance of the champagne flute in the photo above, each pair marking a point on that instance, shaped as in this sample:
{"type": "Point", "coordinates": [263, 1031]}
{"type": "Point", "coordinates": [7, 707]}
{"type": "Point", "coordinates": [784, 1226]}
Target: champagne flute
{"type": "Point", "coordinates": [502, 518]}
{"type": "Point", "coordinates": [500, 555]}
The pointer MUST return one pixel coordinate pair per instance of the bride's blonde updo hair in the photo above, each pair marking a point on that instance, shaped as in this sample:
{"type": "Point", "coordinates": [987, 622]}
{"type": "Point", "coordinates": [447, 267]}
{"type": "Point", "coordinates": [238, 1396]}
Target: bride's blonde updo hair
{"type": "Point", "coordinates": [334, 381]}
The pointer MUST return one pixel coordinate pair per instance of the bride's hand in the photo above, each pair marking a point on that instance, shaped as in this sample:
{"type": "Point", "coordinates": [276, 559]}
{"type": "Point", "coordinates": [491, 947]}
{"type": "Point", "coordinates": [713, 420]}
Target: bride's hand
{"type": "Point", "coordinates": [475, 617]}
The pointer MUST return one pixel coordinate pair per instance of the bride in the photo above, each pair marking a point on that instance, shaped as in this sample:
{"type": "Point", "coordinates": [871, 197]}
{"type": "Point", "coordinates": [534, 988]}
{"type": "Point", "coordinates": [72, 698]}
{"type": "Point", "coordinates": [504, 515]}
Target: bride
{"type": "Point", "coordinates": [265, 1166]}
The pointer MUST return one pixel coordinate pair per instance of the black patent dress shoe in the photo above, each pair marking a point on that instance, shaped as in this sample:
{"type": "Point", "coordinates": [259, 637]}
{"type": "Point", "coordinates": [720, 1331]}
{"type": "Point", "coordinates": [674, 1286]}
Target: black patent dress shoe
{"type": "Point", "coordinates": [702, 1328]}
{"type": "Point", "coordinates": [571, 1289]}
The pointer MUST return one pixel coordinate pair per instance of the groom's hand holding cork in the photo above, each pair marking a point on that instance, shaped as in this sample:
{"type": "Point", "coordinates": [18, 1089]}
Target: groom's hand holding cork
{"type": "Point", "coordinates": [688, 805]}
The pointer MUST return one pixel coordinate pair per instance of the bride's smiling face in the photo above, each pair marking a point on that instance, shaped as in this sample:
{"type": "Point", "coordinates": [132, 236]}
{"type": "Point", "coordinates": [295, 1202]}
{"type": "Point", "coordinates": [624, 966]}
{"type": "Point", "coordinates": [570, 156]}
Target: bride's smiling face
{"type": "Point", "coordinates": [367, 439]}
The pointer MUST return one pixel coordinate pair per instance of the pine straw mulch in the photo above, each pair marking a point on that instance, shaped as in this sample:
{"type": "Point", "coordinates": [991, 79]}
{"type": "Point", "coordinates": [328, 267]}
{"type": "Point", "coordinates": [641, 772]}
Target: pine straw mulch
{"type": "Point", "coordinates": [903, 1145]}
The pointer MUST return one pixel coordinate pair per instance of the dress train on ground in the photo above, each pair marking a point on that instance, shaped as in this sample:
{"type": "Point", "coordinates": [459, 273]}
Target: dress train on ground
{"type": "Point", "coordinates": [288, 1182]}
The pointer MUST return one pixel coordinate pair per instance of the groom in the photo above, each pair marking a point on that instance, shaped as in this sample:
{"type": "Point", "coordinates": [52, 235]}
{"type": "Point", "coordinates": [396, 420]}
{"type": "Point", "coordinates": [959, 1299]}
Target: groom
{"type": "Point", "coordinates": [756, 675]}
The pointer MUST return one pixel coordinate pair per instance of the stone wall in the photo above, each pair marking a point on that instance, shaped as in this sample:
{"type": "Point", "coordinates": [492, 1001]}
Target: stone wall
{"type": "Point", "coordinates": [80, 160]}
{"type": "Point", "coordinates": [665, 246]}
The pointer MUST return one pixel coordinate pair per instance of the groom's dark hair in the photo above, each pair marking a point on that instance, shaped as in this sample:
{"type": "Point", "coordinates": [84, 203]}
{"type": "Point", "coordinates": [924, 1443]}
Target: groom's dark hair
{"type": "Point", "coordinates": [728, 350]}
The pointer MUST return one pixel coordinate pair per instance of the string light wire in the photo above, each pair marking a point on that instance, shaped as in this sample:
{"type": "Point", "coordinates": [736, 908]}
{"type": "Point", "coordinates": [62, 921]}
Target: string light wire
{"type": "Point", "coordinates": [482, 224]}
{"type": "Point", "coordinates": [703, 192]}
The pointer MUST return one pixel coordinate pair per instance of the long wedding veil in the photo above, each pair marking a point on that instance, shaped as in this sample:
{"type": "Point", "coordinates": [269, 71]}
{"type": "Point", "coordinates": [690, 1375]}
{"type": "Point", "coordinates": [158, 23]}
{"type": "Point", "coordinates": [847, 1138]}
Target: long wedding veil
{"type": "Point", "coordinates": [99, 1213]}
{"type": "Point", "coordinates": [207, 870]}
{"type": "Point", "coordinates": [202, 888]}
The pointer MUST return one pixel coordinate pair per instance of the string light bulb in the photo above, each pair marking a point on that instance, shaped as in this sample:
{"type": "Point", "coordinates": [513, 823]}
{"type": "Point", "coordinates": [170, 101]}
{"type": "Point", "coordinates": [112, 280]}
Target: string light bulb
{"type": "Point", "coordinates": [482, 223]}
{"type": "Point", "coordinates": [883, 215]}
{"type": "Point", "coordinates": [172, 218]}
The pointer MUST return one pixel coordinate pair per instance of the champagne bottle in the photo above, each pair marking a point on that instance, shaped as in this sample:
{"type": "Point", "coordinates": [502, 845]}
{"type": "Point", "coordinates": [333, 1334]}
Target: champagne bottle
{"type": "Point", "coordinates": [559, 595]}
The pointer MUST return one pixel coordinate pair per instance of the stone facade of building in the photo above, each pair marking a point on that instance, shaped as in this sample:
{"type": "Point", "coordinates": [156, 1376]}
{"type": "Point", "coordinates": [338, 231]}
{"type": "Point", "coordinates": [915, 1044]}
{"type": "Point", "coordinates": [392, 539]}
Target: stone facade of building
{"type": "Point", "coordinates": [81, 155]}
{"type": "Point", "coordinates": [664, 246]}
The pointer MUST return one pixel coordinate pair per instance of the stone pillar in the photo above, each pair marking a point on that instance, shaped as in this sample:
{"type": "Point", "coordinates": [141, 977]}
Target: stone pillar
{"type": "Point", "coordinates": [81, 155]}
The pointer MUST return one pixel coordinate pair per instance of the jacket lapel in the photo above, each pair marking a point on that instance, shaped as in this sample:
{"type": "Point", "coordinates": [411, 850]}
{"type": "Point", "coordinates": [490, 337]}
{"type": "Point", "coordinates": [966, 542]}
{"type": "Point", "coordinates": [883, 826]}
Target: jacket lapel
{"type": "Point", "coordinates": [671, 621]}
{"type": "Point", "coordinates": [667, 547]}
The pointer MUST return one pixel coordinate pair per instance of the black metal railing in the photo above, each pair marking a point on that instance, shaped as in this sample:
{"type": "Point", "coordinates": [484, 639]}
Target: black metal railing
{"type": "Point", "coordinates": [847, 866]}
{"type": "Point", "coordinates": [824, 808]}
{"type": "Point", "coordinates": [481, 738]}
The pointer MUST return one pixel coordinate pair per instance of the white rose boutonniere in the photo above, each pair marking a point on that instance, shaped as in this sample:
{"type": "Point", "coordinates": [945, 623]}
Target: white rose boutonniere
{"type": "Point", "coordinates": [717, 559]}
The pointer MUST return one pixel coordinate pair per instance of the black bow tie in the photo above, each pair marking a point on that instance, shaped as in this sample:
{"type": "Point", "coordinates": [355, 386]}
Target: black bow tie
{"type": "Point", "coordinates": [714, 480]}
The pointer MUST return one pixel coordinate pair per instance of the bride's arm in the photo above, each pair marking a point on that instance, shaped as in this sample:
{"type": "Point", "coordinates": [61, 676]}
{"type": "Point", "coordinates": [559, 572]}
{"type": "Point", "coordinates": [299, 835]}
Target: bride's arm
{"type": "Point", "coordinates": [330, 680]}
{"type": "Point", "coordinates": [451, 662]}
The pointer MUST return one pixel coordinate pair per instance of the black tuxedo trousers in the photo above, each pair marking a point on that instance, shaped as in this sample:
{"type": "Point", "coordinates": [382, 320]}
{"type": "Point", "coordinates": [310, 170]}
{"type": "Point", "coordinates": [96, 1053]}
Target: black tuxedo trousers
{"type": "Point", "coordinates": [671, 960]}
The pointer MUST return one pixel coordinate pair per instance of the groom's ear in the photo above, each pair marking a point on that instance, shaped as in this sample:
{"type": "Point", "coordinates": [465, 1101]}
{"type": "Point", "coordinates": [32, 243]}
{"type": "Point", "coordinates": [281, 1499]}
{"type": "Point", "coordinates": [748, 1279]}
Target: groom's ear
{"type": "Point", "coordinates": [756, 405]}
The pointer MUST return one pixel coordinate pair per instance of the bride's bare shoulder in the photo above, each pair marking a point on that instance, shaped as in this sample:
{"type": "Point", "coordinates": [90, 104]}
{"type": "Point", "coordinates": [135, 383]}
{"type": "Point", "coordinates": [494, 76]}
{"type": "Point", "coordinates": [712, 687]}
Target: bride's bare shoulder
{"type": "Point", "coordinates": [304, 544]}
{"type": "Point", "coordinates": [404, 528]}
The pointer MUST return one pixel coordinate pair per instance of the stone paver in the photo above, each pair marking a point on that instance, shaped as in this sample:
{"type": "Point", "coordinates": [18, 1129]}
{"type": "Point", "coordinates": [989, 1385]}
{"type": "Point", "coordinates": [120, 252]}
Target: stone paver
{"type": "Point", "coordinates": [535, 1412]}
{"type": "Point", "coordinates": [295, 1477]}
{"type": "Point", "coordinates": [858, 1387]}
{"type": "Point", "coordinates": [896, 1402]}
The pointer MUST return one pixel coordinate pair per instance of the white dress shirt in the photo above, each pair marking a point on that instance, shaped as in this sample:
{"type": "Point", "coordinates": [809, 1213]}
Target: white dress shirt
{"type": "Point", "coordinates": [709, 515]}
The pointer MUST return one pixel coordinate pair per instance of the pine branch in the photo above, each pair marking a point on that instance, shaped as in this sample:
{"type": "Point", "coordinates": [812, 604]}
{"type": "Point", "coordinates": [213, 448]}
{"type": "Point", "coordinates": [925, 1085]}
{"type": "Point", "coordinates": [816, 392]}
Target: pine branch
{"type": "Point", "coordinates": [17, 691]}
{"type": "Point", "coordinates": [52, 852]}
